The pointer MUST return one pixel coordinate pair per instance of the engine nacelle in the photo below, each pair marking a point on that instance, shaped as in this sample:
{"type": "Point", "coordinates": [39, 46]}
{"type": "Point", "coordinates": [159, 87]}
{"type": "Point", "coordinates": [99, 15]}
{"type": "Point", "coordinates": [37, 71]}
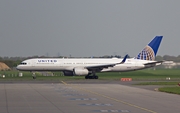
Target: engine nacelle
{"type": "Point", "coordinates": [80, 71]}
{"type": "Point", "coordinates": [68, 73]}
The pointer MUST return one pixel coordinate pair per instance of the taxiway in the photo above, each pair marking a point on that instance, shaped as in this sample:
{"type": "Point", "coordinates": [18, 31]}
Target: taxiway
{"type": "Point", "coordinates": [64, 97]}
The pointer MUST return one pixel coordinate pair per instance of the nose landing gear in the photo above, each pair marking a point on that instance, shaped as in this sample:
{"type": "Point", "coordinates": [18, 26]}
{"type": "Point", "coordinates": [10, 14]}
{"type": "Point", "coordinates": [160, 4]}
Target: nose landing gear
{"type": "Point", "coordinates": [34, 75]}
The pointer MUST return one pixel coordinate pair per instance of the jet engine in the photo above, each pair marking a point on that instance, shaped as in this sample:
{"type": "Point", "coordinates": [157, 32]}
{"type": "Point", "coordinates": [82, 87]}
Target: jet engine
{"type": "Point", "coordinates": [80, 71]}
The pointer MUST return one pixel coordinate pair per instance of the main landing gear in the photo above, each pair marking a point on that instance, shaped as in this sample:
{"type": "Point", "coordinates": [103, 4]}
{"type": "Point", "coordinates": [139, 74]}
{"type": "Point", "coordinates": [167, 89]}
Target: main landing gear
{"type": "Point", "coordinates": [91, 77]}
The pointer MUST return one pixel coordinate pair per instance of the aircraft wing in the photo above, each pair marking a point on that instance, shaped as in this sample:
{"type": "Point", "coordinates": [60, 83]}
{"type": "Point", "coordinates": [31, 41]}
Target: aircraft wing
{"type": "Point", "coordinates": [100, 67]}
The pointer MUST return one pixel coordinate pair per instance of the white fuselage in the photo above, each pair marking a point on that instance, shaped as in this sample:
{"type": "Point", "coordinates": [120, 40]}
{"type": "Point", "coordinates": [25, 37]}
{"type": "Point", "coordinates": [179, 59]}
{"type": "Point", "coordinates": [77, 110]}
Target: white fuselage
{"type": "Point", "coordinates": [57, 64]}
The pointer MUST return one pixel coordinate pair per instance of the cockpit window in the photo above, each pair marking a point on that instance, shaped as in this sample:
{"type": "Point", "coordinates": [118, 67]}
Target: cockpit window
{"type": "Point", "coordinates": [23, 63]}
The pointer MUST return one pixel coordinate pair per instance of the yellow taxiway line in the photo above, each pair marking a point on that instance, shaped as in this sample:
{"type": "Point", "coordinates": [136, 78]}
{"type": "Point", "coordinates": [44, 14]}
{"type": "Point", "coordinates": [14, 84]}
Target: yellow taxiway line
{"type": "Point", "coordinates": [123, 102]}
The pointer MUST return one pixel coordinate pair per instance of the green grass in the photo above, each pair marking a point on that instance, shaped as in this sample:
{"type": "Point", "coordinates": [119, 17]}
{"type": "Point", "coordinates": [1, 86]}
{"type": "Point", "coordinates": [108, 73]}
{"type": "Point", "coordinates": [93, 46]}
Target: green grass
{"type": "Point", "coordinates": [157, 83]}
{"type": "Point", "coordinates": [174, 90]}
{"type": "Point", "coordinates": [159, 76]}
{"type": "Point", "coordinates": [27, 76]}
{"type": "Point", "coordinates": [142, 75]}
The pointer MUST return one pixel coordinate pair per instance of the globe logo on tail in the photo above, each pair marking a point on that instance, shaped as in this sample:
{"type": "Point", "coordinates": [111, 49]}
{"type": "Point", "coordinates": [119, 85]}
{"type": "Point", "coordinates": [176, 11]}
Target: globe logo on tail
{"type": "Point", "coordinates": [146, 54]}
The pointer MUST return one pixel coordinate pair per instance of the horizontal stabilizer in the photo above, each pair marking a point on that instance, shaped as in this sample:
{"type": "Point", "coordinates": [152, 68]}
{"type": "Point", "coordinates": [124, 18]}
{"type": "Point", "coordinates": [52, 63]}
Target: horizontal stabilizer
{"type": "Point", "coordinates": [153, 63]}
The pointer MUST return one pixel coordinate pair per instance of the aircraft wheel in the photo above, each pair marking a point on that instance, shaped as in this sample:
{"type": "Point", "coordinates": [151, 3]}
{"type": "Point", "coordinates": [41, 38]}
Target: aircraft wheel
{"type": "Point", "coordinates": [34, 77]}
{"type": "Point", "coordinates": [86, 77]}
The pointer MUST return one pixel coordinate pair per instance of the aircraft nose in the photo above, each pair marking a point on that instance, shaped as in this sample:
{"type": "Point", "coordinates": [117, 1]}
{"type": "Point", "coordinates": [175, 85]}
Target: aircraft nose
{"type": "Point", "coordinates": [18, 67]}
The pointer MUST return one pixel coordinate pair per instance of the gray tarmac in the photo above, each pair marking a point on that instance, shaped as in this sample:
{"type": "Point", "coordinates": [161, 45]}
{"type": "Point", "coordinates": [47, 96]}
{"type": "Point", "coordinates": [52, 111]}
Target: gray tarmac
{"type": "Point", "coordinates": [84, 97]}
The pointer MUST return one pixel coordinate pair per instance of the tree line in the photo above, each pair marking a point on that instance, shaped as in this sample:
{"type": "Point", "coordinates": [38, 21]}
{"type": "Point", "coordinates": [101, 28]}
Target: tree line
{"type": "Point", "coordinates": [168, 58]}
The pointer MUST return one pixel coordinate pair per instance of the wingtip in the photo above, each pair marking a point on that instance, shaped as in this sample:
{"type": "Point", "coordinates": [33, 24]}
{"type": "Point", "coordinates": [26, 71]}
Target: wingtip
{"type": "Point", "coordinates": [125, 57]}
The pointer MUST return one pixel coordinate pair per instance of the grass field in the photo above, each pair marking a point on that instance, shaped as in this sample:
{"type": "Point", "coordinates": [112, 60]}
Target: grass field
{"type": "Point", "coordinates": [158, 83]}
{"type": "Point", "coordinates": [142, 75]}
{"type": "Point", "coordinates": [174, 90]}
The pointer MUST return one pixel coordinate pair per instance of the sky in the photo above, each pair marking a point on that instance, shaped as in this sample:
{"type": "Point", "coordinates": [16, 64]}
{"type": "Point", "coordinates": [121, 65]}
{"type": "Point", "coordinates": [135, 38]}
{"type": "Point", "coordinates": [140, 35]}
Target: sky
{"type": "Point", "coordinates": [84, 28]}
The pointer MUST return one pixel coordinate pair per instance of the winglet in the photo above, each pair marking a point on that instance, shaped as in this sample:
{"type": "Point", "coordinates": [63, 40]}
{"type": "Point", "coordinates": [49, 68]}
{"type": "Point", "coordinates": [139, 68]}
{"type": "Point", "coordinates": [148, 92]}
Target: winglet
{"type": "Point", "coordinates": [124, 59]}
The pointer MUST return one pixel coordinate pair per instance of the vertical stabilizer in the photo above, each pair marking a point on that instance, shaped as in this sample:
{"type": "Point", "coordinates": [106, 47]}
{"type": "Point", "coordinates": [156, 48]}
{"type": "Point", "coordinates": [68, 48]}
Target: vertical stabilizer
{"type": "Point", "coordinates": [150, 51]}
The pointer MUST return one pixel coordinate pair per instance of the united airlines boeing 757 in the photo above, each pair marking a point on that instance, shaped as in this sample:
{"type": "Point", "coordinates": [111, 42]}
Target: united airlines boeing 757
{"type": "Point", "coordinates": [89, 67]}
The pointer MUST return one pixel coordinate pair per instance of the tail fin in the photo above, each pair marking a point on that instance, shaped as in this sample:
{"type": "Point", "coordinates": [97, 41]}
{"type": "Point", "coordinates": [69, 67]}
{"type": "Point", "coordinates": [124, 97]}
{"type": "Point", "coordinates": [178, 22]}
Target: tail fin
{"type": "Point", "coordinates": [150, 51]}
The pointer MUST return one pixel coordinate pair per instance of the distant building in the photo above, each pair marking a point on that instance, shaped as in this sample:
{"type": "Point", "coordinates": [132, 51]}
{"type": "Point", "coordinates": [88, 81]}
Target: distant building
{"type": "Point", "coordinates": [169, 64]}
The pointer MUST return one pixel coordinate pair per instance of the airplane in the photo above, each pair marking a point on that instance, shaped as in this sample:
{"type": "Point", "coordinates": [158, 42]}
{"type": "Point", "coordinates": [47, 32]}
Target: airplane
{"type": "Point", "coordinates": [88, 67]}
